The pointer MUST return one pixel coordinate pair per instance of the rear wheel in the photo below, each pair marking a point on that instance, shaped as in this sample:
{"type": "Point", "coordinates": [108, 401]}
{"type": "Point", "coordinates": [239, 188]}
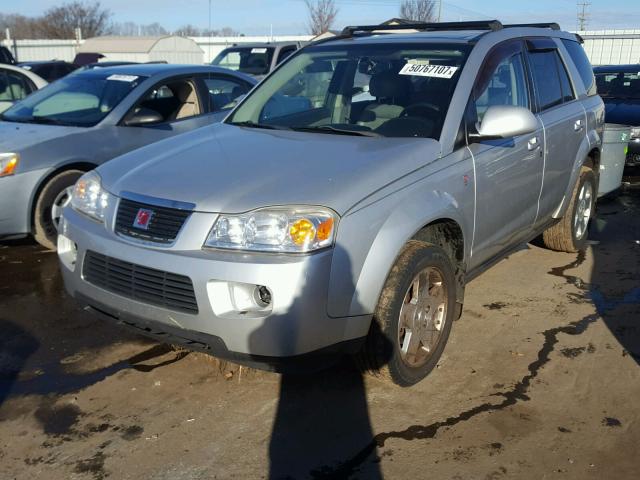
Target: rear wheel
{"type": "Point", "coordinates": [413, 317]}
{"type": "Point", "coordinates": [55, 195]}
{"type": "Point", "coordinates": [571, 232]}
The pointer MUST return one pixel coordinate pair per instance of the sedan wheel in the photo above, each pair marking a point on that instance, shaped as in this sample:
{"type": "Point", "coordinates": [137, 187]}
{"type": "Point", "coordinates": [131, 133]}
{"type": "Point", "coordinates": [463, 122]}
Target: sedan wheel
{"type": "Point", "coordinates": [61, 201]}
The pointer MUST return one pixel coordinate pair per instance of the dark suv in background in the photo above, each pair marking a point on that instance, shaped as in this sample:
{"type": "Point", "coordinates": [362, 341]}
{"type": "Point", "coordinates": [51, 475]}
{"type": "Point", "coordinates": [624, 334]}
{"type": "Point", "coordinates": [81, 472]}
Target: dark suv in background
{"type": "Point", "coordinates": [619, 87]}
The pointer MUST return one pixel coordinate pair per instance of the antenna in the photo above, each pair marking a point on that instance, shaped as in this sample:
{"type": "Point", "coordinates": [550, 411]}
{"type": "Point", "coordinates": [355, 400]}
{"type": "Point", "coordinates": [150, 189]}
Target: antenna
{"type": "Point", "coordinates": [583, 15]}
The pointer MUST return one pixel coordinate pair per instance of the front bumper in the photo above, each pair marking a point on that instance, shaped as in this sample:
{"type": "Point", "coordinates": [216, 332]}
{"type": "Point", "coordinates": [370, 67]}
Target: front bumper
{"type": "Point", "coordinates": [297, 324]}
{"type": "Point", "coordinates": [16, 195]}
{"type": "Point", "coordinates": [633, 153]}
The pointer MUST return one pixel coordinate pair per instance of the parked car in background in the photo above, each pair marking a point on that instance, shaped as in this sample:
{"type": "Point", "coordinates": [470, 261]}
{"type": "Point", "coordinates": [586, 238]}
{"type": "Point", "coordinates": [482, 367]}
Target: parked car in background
{"type": "Point", "coordinates": [619, 87]}
{"type": "Point", "coordinates": [6, 56]}
{"type": "Point", "coordinates": [48, 140]}
{"type": "Point", "coordinates": [49, 70]}
{"type": "Point", "coordinates": [336, 223]}
{"type": "Point", "coordinates": [16, 84]}
{"type": "Point", "coordinates": [257, 59]}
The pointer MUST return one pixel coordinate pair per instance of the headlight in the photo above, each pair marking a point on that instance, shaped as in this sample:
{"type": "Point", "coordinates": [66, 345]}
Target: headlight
{"type": "Point", "coordinates": [635, 132]}
{"type": "Point", "coordinates": [291, 230]}
{"type": "Point", "coordinates": [8, 163]}
{"type": "Point", "coordinates": [89, 197]}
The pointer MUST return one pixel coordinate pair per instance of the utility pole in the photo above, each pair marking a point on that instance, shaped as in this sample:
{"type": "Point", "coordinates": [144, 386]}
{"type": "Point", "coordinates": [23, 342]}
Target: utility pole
{"type": "Point", "coordinates": [439, 10]}
{"type": "Point", "coordinates": [583, 15]}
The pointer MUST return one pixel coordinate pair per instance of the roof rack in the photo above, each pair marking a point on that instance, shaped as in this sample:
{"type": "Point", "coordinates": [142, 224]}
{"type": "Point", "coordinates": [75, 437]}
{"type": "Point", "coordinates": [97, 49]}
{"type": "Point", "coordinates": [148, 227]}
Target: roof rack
{"type": "Point", "coordinates": [552, 26]}
{"type": "Point", "coordinates": [478, 25]}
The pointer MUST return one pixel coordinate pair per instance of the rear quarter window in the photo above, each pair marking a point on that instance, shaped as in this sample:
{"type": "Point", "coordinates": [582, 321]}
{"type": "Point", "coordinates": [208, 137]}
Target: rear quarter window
{"type": "Point", "coordinates": [579, 58]}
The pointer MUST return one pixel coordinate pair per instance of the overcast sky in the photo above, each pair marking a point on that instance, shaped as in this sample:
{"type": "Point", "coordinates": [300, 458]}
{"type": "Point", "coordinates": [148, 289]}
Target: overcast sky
{"type": "Point", "coordinates": [255, 17]}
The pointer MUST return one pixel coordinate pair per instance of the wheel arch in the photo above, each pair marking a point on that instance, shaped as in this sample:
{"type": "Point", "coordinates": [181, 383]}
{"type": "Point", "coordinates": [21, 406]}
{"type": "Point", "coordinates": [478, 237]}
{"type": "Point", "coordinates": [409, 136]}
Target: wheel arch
{"type": "Point", "coordinates": [84, 166]}
{"type": "Point", "coordinates": [359, 272]}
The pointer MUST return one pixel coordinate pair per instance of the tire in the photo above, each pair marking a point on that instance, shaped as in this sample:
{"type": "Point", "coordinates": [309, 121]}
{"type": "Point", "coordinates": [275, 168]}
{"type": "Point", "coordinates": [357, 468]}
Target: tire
{"type": "Point", "coordinates": [571, 232]}
{"type": "Point", "coordinates": [382, 353]}
{"type": "Point", "coordinates": [45, 229]}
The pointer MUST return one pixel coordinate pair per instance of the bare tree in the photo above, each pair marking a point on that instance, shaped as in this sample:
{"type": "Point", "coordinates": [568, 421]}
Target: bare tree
{"type": "Point", "coordinates": [322, 14]}
{"type": "Point", "coordinates": [21, 27]}
{"type": "Point", "coordinates": [418, 10]}
{"type": "Point", "coordinates": [61, 22]}
{"type": "Point", "coordinates": [188, 31]}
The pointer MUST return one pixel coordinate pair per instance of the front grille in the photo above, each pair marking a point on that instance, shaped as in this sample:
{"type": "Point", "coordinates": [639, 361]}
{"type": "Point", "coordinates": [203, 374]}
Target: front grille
{"type": "Point", "coordinates": [147, 285]}
{"type": "Point", "coordinates": [633, 159]}
{"type": "Point", "coordinates": [163, 227]}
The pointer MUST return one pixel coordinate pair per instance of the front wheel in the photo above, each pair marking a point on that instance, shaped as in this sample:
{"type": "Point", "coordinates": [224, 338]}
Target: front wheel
{"type": "Point", "coordinates": [571, 232]}
{"type": "Point", "coordinates": [414, 315]}
{"type": "Point", "coordinates": [55, 195]}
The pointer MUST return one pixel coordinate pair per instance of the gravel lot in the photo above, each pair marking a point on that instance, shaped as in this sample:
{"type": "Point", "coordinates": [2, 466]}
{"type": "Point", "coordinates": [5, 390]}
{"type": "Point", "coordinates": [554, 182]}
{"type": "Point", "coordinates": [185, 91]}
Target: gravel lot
{"type": "Point", "coordinates": [540, 380]}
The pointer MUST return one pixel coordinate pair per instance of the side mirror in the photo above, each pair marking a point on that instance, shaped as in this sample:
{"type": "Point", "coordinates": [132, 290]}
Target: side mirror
{"type": "Point", "coordinates": [505, 121]}
{"type": "Point", "coordinates": [142, 117]}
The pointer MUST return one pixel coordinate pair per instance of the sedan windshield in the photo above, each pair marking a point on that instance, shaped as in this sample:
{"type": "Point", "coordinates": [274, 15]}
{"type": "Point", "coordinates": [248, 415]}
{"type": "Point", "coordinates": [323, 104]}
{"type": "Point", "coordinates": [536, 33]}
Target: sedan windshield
{"type": "Point", "coordinates": [249, 60]}
{"type": "Point", "coordinates": [619, 84]}
{"type": "Point", "coordinates": [77, 100]}
{"type": "Point", "coordinates": [391, 90]}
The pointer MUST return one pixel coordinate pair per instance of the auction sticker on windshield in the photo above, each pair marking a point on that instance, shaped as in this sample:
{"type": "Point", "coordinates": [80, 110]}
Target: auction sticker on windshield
{"type": "Point", "coordinates": [122, 78]}
{"type": "Point", "coordinates": [421, 70]}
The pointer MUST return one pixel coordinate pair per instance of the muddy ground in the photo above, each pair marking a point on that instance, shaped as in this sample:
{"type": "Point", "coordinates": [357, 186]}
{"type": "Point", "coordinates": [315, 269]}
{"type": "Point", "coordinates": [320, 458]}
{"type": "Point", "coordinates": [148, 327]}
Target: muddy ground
{"type": "Point", "coordinates": [541, 379]}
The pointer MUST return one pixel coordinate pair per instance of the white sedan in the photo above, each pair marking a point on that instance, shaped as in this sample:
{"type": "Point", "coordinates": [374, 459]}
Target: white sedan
{"type": "Point", "coordinates": [16, 83]}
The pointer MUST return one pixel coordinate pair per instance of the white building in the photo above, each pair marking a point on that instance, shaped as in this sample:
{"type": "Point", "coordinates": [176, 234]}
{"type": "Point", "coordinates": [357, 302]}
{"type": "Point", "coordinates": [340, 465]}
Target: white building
{"type": "Point", "coordinates": [170, 49]}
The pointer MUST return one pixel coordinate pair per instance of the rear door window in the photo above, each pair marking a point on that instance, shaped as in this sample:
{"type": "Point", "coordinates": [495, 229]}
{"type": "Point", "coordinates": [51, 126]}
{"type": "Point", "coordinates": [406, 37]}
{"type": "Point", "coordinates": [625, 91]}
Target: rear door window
{"type": "Point", "coordinates": [544, 66]}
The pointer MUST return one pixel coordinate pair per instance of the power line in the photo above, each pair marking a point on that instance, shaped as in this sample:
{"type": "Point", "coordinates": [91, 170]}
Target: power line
{"type": "Point", "coordinates": [583, 15]}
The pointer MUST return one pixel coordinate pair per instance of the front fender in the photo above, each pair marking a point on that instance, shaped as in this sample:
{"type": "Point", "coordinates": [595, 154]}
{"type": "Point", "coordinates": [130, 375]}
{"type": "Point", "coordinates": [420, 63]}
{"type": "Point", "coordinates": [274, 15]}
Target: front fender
{"type": "Point", "coordinates": [370, 237]}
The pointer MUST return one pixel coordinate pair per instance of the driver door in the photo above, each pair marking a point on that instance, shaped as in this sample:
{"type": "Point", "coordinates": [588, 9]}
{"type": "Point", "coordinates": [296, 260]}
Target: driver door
{"type": "Point", "coordinates": [508, 171]}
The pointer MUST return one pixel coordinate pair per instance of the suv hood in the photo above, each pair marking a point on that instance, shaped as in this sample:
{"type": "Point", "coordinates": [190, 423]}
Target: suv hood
{"type": "Point", "coordinates": [623, 111]}
{"type": "Point", "coordinates": [229, 169]}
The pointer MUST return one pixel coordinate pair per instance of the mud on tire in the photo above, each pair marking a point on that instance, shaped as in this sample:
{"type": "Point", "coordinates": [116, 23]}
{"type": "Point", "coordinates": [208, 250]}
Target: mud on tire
{"type": "Point", "coordinates": [381, 354]}
{"type": "Point", "coordinates": [565, 236]}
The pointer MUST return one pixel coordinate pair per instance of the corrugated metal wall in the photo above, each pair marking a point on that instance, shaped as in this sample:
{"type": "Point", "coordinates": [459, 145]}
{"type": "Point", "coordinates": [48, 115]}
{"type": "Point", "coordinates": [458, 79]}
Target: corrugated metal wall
{"type": "Point", "coordinates": [602, 46]}
{"type": "Point", "coordinates": [612, 47]}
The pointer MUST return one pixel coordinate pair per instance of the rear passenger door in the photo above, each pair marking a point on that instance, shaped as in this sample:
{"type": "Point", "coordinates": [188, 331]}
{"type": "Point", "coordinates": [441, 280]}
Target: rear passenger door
{"type": "Point", "coordinates": [508, 171]}
{"type": "Point", "coordinates": [563, 119]}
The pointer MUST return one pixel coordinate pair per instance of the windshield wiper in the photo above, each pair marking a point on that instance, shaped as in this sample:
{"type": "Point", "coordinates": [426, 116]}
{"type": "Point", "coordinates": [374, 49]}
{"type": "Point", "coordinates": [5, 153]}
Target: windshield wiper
{"type": "Point", "coordinates": [337, 131]}
{"type": "Point", "coordinates": [251, 124]}
{"type": "Point", "coordinates": [46, 121]}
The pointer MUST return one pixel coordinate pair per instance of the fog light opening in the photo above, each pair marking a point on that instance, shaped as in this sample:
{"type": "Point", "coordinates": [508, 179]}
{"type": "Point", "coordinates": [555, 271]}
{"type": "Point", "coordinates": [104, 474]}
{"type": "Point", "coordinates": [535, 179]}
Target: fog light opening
{"type": "Point", "coordinates": [263, 296]}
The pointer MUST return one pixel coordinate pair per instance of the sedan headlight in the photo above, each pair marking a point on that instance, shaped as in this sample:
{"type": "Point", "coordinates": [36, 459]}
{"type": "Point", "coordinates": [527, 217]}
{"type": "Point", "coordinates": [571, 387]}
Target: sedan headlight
{"type": "Point", "coordinates": [635, 132]}
{"type": "Point", "coordinates": [281, 229]}
{"type": "Point", "coordinates": [89, 197]}
{"type": "Point", "coordinates": [8, 163]}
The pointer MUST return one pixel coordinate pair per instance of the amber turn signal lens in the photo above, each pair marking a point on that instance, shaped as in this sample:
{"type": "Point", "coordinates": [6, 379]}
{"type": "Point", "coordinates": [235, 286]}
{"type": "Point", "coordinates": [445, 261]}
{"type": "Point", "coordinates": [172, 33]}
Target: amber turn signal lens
{"type": "Point", "coordinates": [8, 164]}
{"type": "Point", "coordinates": [325, 229]}
{"type": "Point", "coordinates": [302, 231]}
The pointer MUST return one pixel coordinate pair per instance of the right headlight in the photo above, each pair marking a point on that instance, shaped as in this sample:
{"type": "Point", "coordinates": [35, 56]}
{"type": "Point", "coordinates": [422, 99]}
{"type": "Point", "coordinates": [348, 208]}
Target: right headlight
{"type": "Point", "coordinates": [276, 229]}
{"type": "Point", "coordinates": [635, 132]}
{"type": "Point", "coordinates": [89, 197]}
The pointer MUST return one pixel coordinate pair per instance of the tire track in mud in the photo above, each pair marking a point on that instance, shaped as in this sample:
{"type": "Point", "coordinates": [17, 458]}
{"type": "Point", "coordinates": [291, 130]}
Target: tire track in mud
{"type": "Point", "coordinates": [518, 393]}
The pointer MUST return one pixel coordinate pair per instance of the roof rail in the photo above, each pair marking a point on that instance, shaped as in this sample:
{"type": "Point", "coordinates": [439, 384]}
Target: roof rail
{"type": "Point", "coordinates": [477, 25]}
{"type": "Point", "coordinates": [552, 26]}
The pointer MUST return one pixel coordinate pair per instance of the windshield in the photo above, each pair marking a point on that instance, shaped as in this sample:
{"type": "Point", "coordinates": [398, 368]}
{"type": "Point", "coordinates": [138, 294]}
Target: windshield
{"type": "Point", "coordinates": [619, 84]}
{"type": "Point", "coordinates": [250, 60]}
{"type": "Point", "coordinates": [81, 100]}
{"type": "Point", "coordinates": [392, 90]}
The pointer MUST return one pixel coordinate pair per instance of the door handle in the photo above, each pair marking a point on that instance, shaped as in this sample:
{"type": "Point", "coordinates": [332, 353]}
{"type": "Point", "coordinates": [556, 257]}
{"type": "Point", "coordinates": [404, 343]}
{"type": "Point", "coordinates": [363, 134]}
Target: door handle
{"type": "Point", "coordinates": [533, 144]}
{"type": "Point", "coordinates": [578, 126]}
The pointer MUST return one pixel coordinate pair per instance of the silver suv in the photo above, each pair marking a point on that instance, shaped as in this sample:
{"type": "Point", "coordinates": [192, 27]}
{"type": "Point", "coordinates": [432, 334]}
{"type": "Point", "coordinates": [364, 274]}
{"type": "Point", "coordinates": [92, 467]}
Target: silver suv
{"type": "Point", "coordinates": [346, 202]}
